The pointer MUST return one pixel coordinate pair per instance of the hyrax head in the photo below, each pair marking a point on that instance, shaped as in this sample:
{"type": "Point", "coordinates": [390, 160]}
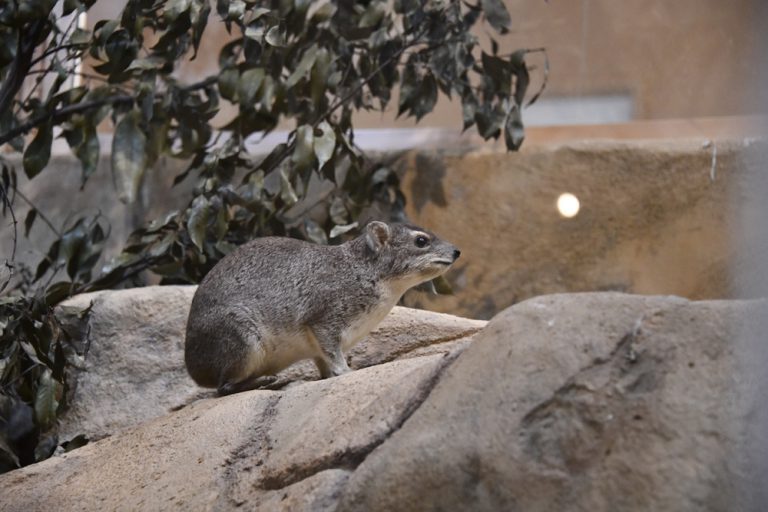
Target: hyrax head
{"type": "Point", "coordinates": [408, 253]}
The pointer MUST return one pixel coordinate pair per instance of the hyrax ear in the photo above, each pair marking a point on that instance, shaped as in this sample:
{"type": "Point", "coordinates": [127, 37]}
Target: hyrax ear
{"type": "Point", "coordinates": [376, 235]}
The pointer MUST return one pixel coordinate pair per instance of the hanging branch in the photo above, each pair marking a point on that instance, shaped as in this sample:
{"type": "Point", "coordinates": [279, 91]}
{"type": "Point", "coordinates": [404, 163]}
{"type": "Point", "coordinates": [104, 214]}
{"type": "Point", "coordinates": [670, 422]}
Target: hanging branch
{"type": "Point", "coordinates": [9, 263]}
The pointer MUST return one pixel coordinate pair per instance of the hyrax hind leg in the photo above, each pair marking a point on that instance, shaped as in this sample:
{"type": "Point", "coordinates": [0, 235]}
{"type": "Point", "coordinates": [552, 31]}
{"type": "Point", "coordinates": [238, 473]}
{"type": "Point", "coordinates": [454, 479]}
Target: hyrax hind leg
{"type": "Point", "coordinates": [253, 382]}
{"type": "Point", "coordinates": [331, 361]}
{"type": "Point", "coordinates": [245, 369]}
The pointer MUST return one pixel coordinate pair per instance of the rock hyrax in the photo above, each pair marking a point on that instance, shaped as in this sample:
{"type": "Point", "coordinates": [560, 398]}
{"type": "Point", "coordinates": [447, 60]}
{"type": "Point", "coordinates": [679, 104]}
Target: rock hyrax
{"type": "Point", "coordinates": [275, 301]}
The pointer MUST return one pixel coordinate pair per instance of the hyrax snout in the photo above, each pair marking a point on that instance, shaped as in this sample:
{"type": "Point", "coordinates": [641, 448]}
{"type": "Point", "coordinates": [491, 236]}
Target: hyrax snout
{"type": "Point", "coordinates": [275, 301]}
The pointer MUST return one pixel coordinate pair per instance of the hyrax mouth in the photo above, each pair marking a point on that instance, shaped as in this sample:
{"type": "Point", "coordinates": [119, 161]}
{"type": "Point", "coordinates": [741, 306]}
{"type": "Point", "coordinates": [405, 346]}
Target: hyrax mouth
{"type": "Point", "coordinates": [442, 262]}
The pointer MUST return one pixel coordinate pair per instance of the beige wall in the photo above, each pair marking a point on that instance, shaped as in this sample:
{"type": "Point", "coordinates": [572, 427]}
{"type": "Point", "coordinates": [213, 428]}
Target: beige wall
{"type": "Point", "coordinates": [682, 58]}
{"type": "Point", "coordinates": [673, 59]}
{"type": "Point", "coordinates": [657, 217]}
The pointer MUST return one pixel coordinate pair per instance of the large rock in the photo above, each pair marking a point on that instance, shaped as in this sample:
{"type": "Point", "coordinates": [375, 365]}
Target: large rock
{"type": "Point", "coordinates": [593, 402]}
{"type": "Point", "coordinates": [570, 402]}
{"type": "Point", "coordinates": [134, 344]}
{"type": "Point", "coordinates": [270, 450]}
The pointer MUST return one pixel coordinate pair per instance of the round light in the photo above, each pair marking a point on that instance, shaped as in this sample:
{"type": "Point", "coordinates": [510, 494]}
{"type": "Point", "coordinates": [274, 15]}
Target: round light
{"type": "Point", "coordinates": [568, 205]}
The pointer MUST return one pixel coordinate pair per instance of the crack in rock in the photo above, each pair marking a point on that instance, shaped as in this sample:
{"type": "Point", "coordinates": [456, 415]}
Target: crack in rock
{"type": "Point", "coordinates": [432, 344]}
{"type": "Point", "coordinates": [258, 442]}
{"type": "Point", "coordinates": [576, 427]}
{"type": "Point", "coordinates": [349, 460]}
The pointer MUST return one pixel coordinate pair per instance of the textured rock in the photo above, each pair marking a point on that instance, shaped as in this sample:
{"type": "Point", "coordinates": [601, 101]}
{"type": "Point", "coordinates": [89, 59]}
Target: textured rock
{"type": "Point", "coordinates": [579, 402]}
{"type": "Point", "coordinates": [593, 402]}
{"type": "Point", "coordinates": [134, 364]}
{"type": "Point", "coordinates": [270, 450]}
{"type": "Point", "coordinates": [655, 218]}
{"type": "Point", "coordinates": [134, 368]}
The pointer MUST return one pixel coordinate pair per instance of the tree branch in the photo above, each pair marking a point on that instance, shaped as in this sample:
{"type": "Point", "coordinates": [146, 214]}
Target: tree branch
{"type": "Point", "coordinates": [25, 47]}
{"type": "Point", "coordinates": [201, 84]}
{"type": "Point", "coordinates": [60, 114]}
{"type": "Point", "coordinates": [9, 263]}
{"type": "Point", "coordinates": [40, 214]}
{"type": "Point", "coordinates": [55, 49]}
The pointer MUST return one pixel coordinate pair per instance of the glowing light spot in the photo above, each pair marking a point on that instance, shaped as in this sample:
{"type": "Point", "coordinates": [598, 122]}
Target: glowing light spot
{"type": "Point", "coordinates": [568, 205]}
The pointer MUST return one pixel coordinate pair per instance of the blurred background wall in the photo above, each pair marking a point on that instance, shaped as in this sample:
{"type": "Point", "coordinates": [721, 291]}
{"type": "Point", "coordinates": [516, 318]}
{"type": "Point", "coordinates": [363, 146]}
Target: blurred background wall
{"type": "Point", "coordinates": [609, 61]}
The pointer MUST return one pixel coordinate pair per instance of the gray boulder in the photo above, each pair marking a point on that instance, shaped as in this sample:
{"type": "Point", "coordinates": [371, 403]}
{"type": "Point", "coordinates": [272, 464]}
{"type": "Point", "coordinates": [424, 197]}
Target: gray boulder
{"type": "Point", "coordinates": [597, 402]}
{"type": "Point", "coordinates": [134, 365]}
{"type": "Point", "coordinates": [589, 402]}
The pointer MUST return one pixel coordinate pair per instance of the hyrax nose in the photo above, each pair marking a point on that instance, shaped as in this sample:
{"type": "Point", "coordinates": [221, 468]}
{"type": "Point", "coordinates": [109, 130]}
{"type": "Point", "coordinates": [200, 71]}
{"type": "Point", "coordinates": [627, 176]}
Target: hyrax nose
{"type": "Point", "coordinates": [456, 254]}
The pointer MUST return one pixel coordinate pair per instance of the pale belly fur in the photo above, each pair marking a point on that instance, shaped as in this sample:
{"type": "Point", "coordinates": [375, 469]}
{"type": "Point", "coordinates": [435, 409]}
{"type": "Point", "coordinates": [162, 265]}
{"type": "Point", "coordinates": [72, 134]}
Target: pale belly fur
{"type": "Point", "coordinates": [277, 351]}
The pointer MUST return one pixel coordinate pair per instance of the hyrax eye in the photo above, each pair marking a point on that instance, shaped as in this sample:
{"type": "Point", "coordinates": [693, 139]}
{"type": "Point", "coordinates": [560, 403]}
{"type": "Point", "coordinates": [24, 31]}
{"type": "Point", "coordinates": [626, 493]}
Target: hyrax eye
{"type": "Point", "coordinates": [422, 241]}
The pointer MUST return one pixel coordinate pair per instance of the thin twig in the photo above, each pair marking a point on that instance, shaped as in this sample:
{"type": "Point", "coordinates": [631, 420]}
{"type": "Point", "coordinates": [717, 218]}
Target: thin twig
{"type": "Point", "coordinates": [25, 47]}
{"type": "Point", "coordinates": [40, 214]}
{"type": "Point", "coordinates": [54, 50]}
{"type": "Point", "coordinates": [49, 69]}
{"type": "Point", "coordinates": [9, 264]}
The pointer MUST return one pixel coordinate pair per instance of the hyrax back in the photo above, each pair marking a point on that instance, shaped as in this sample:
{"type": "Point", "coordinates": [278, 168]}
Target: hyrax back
{"type": "Point", "coordinates": [275, 301]}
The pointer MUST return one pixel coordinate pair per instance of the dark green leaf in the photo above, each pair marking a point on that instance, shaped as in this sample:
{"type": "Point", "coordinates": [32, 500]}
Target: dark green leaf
{"type": "Point", "coordinates": [236, 9]}
{"type": "Point", "coordinates": [47, 397]}
{"type": "Point", "coordinates": [287, 193]}
{"type": "Point", "coordinates": [497, 15]}
{"type": "Point", "coordinates": [322, 12]}
{"type": "Point", "coordinates": [468, 110]}
{"type": "Point", "coordinates": [38, 151]}
{"type": "Point", "coordinates": [45, 447]}
{"type": "Point", "coordinates": [249, 85]}
{"type": "Point", "coordinates": [80, 37]}
{"type": "Point", "coordinates": [69, 6]}
{"type": "Point", "coordinates": [228, 81]}
{"type": "Point", "coordinates": [128, 156]}
{"type": "Point", "coordinates": [303, 67]}
{"type": "Point", "coordinates": [30, 351]}
{"type": "Point", "coordinates": [57, 292]}
{"type": "Point", "coordinates": [320, 75]}
{"type": "Point", "coordinates": [275, 36]}
{"type": "Point", "coordinates": [88, 152]}
{"type": "Point", "coordinates": [31, 216]}
{"type": "Point", "coordinates": [6, 452]}
{"type": "Point", "coordinates": [338, 212]}
{"type": "Point", "coordinates": [442, 286]}
{"type": "Point", "coordinates": [78, 441]}
{"type": "Point", "coordinates": [302, 154]}
{"type": "Point", "coordinates": [373, 15]}
{"type": "Point", "coordinates": [522, 78]}
{"type": "Point", "coordinates": [324, 143]}
{"type": "Point", "coordinates": [513, 129]}
{"type": "Point", "coordinates": [315, 232]}
{"type": "Point", "coordinates": [201, 10]}
{"type": "Point", "coordinates": [489, 119]}
{"type": "Point", "coordinates": [198, 221]}
{"type": "Point", "coordinates": [340, 230]}
{"type": "Point", "coordinates": [255, 31]}
{"type": "Point", "coordinates": [427, 98]}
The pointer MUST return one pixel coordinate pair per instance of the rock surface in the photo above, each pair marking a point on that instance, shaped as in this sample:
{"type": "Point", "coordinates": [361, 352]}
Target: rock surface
{"type": "Point", "coordinates": [595, 402]}
{"type": "Point", "coordinates": [219, 453]}
{"type": "Point", "coordinates": [134, 367]}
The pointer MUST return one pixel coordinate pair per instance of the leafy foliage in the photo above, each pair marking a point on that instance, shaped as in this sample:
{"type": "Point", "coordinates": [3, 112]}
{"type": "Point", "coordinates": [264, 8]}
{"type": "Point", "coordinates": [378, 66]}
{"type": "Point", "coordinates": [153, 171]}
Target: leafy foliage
{"type": "Point", "coordinates": [314, 63]}
{"type": "Point", "coordinates": [35, 351]}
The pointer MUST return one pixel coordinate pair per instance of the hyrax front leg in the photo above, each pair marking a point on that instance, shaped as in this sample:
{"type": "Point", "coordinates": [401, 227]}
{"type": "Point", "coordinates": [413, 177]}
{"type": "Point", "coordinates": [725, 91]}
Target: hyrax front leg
{"type": "Point", "coordinates": [331, 362]}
